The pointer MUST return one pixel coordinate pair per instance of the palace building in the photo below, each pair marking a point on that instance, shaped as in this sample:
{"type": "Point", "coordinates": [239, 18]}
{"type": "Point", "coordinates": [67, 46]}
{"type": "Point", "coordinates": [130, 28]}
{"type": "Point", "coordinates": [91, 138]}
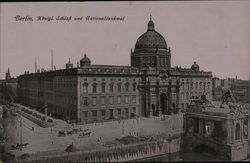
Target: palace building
{"type": "Point", "coordinates": [88, 92]}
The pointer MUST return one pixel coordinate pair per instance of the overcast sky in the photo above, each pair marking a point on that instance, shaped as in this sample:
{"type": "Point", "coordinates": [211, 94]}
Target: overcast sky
{"type": "Point", "coordinates": [214, 34]}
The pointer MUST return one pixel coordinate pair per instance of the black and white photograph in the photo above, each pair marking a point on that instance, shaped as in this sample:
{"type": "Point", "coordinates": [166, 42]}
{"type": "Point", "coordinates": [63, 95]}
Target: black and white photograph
{"type": "Point", "coordinates": [125, 81]}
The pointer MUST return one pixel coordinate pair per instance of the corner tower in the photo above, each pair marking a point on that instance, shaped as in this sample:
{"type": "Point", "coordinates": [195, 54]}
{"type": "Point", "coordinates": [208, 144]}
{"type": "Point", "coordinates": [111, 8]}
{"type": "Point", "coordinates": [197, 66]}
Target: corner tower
{"type": "Point", "coordinates": [151, 50]}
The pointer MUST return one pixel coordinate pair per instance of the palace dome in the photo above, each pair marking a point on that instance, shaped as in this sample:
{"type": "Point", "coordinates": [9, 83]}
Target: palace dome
{"type": "Point", "coordinates": [195, 67]}
{"type": "Point", "coordinates": [85, 61]}
{"type": "Point", "coordinates": [151, 39]}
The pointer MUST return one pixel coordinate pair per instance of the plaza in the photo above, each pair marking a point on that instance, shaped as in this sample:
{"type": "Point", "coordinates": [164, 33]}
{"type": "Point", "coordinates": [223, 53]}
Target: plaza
{"type": "Point", "coordinates": [45, 141]}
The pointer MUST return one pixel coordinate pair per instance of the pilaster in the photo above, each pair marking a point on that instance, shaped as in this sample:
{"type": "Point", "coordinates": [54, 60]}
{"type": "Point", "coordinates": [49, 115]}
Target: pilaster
{"type": "Point", "coordinates": [170, 97]}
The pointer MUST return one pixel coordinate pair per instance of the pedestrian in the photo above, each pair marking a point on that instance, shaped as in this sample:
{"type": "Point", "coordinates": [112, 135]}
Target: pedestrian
{"type": "Point", "coordinates": [52, 142]}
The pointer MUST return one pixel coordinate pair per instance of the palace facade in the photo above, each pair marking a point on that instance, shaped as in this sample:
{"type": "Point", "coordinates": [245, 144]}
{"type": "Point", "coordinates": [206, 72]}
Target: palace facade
{"type": "Point", "coordinates": [149, 87]}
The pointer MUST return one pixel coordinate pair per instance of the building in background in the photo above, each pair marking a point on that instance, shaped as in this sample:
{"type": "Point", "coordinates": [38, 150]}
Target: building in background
{"type": "Point", "coordinates": [149, 87]}
{"type": "Point", "coordinates": [11, 81]}
{"type": "Point", "coordinates": [240, 88]}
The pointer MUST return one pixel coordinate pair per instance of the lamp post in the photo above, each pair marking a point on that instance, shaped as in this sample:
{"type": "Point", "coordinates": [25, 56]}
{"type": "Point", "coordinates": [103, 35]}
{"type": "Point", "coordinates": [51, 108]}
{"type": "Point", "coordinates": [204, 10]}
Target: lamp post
{"type": "Point", "coordinates": [169, 147]}
{"type": "Point", "coordinates": [45, 102]}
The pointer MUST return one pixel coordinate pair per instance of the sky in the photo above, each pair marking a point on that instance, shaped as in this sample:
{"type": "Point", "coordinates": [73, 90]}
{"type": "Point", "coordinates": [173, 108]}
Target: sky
{"type": "Point", "coordinates": [215, 34]}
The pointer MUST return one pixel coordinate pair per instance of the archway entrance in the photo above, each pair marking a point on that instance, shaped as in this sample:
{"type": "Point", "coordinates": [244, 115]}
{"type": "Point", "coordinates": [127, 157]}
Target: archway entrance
{"type": "Point", "coordinates": [164, 103]}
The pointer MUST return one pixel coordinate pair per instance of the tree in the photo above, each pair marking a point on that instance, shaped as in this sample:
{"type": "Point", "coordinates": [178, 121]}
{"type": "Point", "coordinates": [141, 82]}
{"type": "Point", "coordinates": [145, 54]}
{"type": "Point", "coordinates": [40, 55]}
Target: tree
{"type": "Point", "coordinates": [7, 93]}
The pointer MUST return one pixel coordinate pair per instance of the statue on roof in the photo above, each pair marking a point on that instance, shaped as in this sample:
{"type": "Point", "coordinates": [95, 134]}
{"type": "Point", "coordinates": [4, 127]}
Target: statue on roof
{"type": "Point", "coordinates": [228, 96]}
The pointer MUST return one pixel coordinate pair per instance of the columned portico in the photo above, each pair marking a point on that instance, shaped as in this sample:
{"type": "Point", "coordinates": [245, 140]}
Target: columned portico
{"type": "Point", "coordinates": [157, 97]}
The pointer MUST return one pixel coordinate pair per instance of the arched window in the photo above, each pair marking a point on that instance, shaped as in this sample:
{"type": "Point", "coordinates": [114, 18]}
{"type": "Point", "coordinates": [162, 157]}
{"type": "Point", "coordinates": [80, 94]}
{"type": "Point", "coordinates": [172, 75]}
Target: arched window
{"type": "Point", "coordinates": [103, 87]}
{"type": "Point", "coordinates": [134, 87]}
{"type": "Point", "coordinates": [85, 87]}
{"type": "Point", "coordinates": [191, 85]}
{"type": "Point", "coordinates": [94, 87]}
{"type": "Point", "coordinates": [127, 87]}
{"type": "Point", "coordinates": [237, 132]}
{"type": "Point", "coordinates": [111, 87]}
{"type": "Point", "coordinates": [119, 85]}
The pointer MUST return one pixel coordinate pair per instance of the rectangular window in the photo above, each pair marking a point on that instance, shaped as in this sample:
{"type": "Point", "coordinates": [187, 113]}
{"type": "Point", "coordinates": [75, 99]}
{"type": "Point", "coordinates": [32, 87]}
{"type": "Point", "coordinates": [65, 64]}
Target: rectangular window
{"type": "Point", "coordinates": [126, 99]}
{"type": "Point", "coordinates": [94, 101]}
{"type": "Point", "coordinates": [94, 88]}
{"type": "Point", "coordinates": [119, 99]}
{"type": "Point", "coordinates": [103, 112]}
{"type": "Point", "coordinates": [133, 99]}
{"type": "Point", "coordinates": [103, 100]}
{"type": "Point", "coordinates": [85, 88]}
{"type": "Point", "coordinates": [119, 111]}
{"type": "Point", "coordinates": [111, 100]}
{"type": "Point", "coordinates": [134, 110]}
{"type": "Point", "coordinates": [119, 87]}
{"type": "Point", "coordinates": [85, 101]}
{"type": "Point", "coordinates": [126, 110]}
{"type": "Point", "coordinates": [134, 87]}
{"type": "Point", "coordinates": [85, 114]}
{"type": "Point", "coordinates": [94, 113]}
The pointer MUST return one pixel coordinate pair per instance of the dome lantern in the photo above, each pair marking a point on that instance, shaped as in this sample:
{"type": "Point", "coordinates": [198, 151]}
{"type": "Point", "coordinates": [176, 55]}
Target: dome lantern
{"type": "Point", "coordinates": [151, 26]}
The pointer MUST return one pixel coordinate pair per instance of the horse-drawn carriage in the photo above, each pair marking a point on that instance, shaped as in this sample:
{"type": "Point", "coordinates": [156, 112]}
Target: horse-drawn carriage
{"type": "Point", "coordinates": [61, 133]}
{"type": "Point", "coordinates": [85, 133]}
{"type": "Point", "coordinates": [19, 146]}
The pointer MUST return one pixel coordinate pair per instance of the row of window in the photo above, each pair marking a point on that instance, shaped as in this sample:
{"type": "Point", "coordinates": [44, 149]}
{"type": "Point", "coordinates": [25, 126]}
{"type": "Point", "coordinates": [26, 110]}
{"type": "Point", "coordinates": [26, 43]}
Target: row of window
{"type": "Point", "coordinates": [111, 87]}
{"type": "Point", "coordinates": [189, 95]}
{"type": "Point", "coordinates": [111, 100]}
{"type": "Point", "coordinates": [111, 112]}
{"type": "Point", "coordinates": [150, 61]}
{"type": "Point", "coordinates": [195, 85]}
